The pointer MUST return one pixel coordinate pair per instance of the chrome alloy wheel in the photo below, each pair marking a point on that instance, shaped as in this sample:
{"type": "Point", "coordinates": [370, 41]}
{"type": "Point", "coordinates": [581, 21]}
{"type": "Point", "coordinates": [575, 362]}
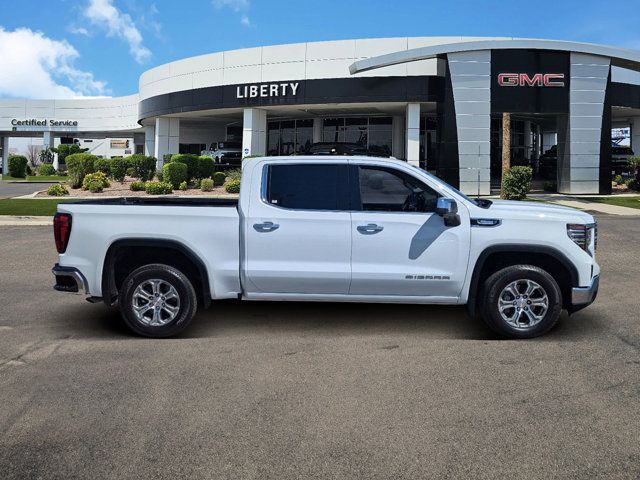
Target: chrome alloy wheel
{"type": "Point", "coordinates": [523, 303]}
{"type": "Point", "coordinates": [155, 302]}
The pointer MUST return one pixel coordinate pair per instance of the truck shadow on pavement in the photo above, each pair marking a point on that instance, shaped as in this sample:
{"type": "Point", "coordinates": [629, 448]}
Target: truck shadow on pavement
{"type": "Point", "coordinates": [232, 318]}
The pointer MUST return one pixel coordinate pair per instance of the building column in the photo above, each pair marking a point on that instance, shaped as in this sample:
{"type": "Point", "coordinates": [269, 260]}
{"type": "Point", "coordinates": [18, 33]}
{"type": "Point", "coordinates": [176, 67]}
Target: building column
{"type": "Point", "coordinates": [579, 161]}
{"type": "Point", "coordinates": [5, 155]}
{"type": "Point", "coordinates": [412, 134]}
{"type": "Point", "coordinates": [634, 124]}
{"type": "Point", "coordinates": [527, 140]}
{"type": "Point", "coordinates": [150, 141]}
{"type": "Point", "coordinates": [471, 85]}
{"type": "Point", "coordinates": [317, 130]}
{"type": "Point", "coordinates": [254, 132]}
{"type": "Point", "coordinates": [397, 139]}
{"type": "Point", "coordinates": [166, 138]}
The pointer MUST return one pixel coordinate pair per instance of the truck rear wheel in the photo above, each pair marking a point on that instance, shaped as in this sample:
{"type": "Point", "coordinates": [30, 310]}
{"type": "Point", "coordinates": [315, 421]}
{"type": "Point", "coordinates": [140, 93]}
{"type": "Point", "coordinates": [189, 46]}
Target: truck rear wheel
{"type": "Point", "coordinates": [521, 301]}
{"type": "Point", "coordinates": [157, 301]}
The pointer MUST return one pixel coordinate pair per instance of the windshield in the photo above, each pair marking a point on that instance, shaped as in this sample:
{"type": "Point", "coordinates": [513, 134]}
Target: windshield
{"type": "Point", "coordinates": [483, 203]}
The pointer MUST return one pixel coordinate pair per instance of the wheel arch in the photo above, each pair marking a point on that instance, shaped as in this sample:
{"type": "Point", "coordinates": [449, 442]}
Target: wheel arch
{"type": "Point", "coordinates": [496, 257]}
{"type": "Point", "coordinates": [170, 252]}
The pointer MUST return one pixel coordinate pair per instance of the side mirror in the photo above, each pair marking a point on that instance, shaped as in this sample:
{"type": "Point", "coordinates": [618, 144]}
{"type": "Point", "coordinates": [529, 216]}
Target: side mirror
{"type": "Point", "coordinates": [448, 210]}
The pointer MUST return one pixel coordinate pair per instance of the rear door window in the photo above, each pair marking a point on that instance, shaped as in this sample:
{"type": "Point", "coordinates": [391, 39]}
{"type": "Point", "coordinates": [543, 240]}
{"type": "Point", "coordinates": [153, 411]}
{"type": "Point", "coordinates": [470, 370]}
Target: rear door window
{"type": "Point", "coordinates": [308, 186]}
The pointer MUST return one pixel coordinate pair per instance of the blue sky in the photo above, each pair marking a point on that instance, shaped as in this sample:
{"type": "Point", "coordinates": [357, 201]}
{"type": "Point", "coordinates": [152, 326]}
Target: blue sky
{"type": "Point", "coordinates": [65, 48]}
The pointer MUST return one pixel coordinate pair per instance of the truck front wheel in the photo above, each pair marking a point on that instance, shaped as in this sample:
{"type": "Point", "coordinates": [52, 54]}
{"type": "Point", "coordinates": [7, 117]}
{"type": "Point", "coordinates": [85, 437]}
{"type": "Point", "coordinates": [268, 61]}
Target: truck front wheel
{"type": "Point", "coordinates": [521, 301]}
{"type": "Point", "coordinates": [157, 300]}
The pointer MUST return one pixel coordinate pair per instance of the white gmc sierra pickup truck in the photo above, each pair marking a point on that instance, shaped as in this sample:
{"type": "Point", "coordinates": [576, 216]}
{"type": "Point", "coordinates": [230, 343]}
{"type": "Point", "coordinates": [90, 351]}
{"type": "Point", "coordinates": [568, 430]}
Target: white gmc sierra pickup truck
{"type": "Point", "coordinates": [329, 229]}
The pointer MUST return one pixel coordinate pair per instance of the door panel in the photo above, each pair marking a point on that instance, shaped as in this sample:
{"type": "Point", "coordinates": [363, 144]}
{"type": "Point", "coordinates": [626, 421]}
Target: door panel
{"type": "Point", "coordinates": [400, 245]}
{"type": "Point", "coordinates": [298, 237]}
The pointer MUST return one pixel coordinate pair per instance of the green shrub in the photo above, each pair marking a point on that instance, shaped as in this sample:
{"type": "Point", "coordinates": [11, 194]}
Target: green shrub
{"type": "Point", "coordinates": [183, 186]}
{"type": "Point", "coordinates": [102, 165]}
{"type": "Point", "coordinates": [79, 165]}
{"type": "Point", "coordinates": [190, 160]}
{"type": "Point", "coordinates": [57, 190]}
{"type": "Point", "coordinates": [232, 186]}
{"type": "Point", "coordinates": [29, 171]}
{"type": "Point", "coordinates": [158, 188]}
{"type": "Point", "coordinates": [65, 150]}
{"type": "Point", "coordinates": [17, 166]}
{"type": "Point", "coordinates": [206, 185]}
{"type": "Point", "coordinates": [632, 184]}
{"type": "Point", "coordinates": [46, 169]}
{"type": "Point", "coordinates": [137, 186]}
{"type": "Point", "coordinates": [617, 179]}
{"type": "Point", "coordinates": [95, 179]}
{"type": "Point", "coordinates": [634, 165]}
{"type": "Point", "coordinates": [166, 158]}
{"type": "Point", "coordinates": [94, 186]}
{"type": "Point", "coordinates": [516, 183]}
{"type": "Point", "coordinates": [175, 173]}
{"type": "Point", "coordinates": [235, 174]}
{"type": "Point", "coordinates": [160, 175]}
{"type": "Point", "coordinates": [144, 167]}
{"type": "Point", "coordinates": [205, 166]}
{"type": "Point", "coordinates": [119, 167]}
{"type": "Point", "coordinates": [219, 178]}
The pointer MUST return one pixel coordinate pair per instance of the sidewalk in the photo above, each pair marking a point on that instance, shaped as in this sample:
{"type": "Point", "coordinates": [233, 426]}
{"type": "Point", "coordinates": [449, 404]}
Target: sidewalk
{"type": "Point", "coordinates": [583, 204]}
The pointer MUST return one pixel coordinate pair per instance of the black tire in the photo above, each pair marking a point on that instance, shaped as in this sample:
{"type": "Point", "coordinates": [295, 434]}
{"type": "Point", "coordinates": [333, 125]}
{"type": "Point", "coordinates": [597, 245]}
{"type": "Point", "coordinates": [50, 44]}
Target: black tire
{"type": "Point", "coordinates": [186, 308]}
{"type": "Point", "coordinates": [494, 287]}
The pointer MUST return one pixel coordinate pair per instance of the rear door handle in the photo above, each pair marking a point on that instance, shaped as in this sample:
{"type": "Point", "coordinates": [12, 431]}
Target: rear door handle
{"type": "Point", "coordinates": [265, 227]}
{"type": "Point", "coordinates": [370, 229]}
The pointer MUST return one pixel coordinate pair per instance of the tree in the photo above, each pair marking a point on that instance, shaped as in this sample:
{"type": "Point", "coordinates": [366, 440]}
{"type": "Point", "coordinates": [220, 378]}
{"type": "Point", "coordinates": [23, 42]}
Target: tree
{"type": "Point", "coordinates": [506, 148]}
{"type": "Point", "coordinates": [33, 154]}
{"type": "Point", "coordinates": [65, 150]}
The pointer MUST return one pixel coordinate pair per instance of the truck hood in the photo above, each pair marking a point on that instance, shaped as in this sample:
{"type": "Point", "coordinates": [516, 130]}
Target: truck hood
{"type": "Point", "coordinates": [510, 208]}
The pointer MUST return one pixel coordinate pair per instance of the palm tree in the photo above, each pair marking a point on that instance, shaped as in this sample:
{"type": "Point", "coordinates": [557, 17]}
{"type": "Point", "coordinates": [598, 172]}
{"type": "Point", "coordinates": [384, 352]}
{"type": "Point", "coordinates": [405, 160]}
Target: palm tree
{"type": "Point", "coordinates": [506, 147]}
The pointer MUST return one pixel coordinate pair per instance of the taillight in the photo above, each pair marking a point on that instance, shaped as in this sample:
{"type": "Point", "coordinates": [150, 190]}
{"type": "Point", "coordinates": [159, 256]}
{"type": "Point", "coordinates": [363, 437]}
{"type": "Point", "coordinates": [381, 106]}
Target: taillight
{"type": "Point", "coordinates": [62, 230]}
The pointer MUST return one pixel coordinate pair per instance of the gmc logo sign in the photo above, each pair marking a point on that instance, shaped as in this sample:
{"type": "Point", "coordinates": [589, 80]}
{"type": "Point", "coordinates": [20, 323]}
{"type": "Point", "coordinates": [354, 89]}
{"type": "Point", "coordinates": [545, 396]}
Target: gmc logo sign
{"type": "Point", "coordinates": [537, 80]}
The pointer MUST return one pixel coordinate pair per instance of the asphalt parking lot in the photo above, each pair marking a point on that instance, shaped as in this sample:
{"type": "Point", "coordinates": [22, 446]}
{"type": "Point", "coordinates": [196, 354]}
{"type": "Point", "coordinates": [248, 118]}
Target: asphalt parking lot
{"type": "Point", "coordinates": [14, 189]}
{"type": "Point", "coordinates": [316, 390]}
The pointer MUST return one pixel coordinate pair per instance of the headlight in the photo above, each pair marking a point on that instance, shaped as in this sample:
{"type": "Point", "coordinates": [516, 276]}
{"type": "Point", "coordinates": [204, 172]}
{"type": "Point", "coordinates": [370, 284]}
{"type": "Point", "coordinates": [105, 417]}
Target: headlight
{"type": "Point", "coordinates": [584, 235]}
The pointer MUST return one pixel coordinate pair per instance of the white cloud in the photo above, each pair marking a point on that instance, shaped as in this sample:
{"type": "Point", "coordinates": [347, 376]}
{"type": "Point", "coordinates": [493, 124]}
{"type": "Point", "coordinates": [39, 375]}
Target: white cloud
{"type": "Point", "coordinates": [35, 66]}
{"type": "Point", "coordinates": [238, 6]}
{"type": "Point", "coordinates": [78, 30]}
{"type": "Point", "coordinates": [103, 14]}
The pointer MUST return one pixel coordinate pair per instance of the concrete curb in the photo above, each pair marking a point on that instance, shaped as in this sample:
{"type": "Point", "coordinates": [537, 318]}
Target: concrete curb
{"type": "Point", "coordinates": [16, 220]}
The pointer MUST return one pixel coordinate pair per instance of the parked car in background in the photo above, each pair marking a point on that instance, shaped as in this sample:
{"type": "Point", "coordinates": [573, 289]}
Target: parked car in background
{"type": "Point", "coordinates": [329, 228]}
{"type": "Point", "coordinates": [619, 156]}
{"type": "Point", "coordinates": [227, 152]}
{"type": "Point", "coordinates": [343, 148]}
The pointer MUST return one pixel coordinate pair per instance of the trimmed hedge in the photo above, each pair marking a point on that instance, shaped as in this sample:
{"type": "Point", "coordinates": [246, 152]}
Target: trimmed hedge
{"type": "Point", "coordinates": [517, 183]}
{"type": "Point", "coordinates": [57, 190]}
{"type": "Point", "coordinates": [158, 188]}
{"type": "Point", "coordinates": [17, 166]}
{"type": "Point", "coordinates": [205, 166]}
{"type": "Point", "coordinates": [79, 165]}
{"type": "Point", "coordinates": [175, 173]}
{"type": "Point", "coordinates": [206, 185]}
{"type": "Point", "coordinates": [102, 165]}
{"type": "Point", "coordinates": [137, 186]}
{"type": "Point", "coordinates": [191, 161]}
{"type": "Point", "coordinates": [119, 167]}
{"type": "Point", "coordinates": [183, 186]}
{"type": "Point", "coordinates": [46, 169]}
{"type": "Point", "coordinates": [219, 178]}
{"type": "Point", "coordinates": [95, 182]}
{"type": "Point", "coordinates": [232, 186]}
{"type": "Point", "coordinates": [144, 167]}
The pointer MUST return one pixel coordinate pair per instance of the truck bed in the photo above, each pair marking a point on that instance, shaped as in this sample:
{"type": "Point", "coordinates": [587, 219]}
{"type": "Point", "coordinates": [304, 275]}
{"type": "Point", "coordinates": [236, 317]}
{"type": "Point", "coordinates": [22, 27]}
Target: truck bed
{"type": "Point", "coordinates": [161, 201]}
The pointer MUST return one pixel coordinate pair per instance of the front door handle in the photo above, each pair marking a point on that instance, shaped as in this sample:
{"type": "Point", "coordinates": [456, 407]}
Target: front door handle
{"type": "Point", "coordinates": [370, 229]}
{"type": "Point", "coordinates": [265, 227]}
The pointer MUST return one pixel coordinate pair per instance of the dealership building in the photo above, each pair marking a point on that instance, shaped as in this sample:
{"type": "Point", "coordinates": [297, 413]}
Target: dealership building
{"type": "Point", "coordinates": [436, 102]}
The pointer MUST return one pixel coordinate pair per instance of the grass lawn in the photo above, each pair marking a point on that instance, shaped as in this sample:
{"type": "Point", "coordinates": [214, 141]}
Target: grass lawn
{"type": "Point", "coordinates": [631, 202]}
{"type": "Point", "coordinates": [38, 178]}
{"type": "Point", "coordinates": [28, 207]}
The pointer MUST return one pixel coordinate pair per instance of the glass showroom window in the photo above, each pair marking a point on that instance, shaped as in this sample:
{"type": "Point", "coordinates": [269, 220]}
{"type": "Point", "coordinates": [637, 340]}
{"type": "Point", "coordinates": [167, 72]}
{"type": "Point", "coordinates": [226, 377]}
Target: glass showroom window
{"type": "Point", "coordinates": [374, 133]}
{"type": "Point", "coordinates": [289, 137]}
